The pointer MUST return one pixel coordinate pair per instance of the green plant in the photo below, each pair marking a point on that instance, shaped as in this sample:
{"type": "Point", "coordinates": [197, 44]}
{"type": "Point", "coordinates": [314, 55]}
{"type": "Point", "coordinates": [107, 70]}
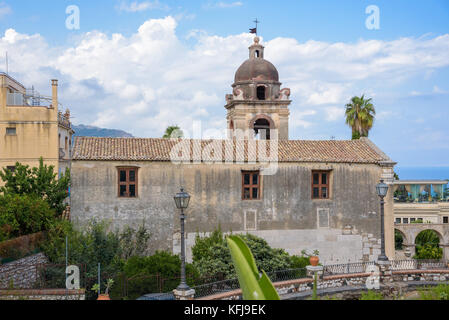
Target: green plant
{"type": "Point", "coordinates": [41, 182]}
{"type": "Point", "coordinates": [360, 114]}
{"type": "Point", "coordinates": [173, 132]}
{"type": "Point", "coordinates": [146, 275]}
{"type": "Point", "coordinates": [109, 284]}
{"type": "Point", "coordinates": [427, 245]}
{"type": "Point", "coordinates": [134, 242]}
{"type": "Point", "coordinates": [23, 214]}
{"type": "Point", "coordinates": [315, 285]}
{"type": "Point", "coordinates": [297, 262]}
{"type": "Point", "coordinates": [440, 292]}
{"type": "Point", "coordinates": [90, 246]}
{"type": "Point", "coordinates": [398, 240]}
{"type": "Point", "coordinates": [212, 258]}
{"type": "Point", "coordinates": [254, 286]}
{"type": "Point", "coordinates": [371, 295]}
{"type": "Point", "coordinates": [428, 251]}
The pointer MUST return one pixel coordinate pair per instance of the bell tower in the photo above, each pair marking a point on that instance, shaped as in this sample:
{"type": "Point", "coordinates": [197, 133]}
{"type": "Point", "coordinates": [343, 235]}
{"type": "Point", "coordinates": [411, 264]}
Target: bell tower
{"type": "Point", "coordinates": [258, 106]}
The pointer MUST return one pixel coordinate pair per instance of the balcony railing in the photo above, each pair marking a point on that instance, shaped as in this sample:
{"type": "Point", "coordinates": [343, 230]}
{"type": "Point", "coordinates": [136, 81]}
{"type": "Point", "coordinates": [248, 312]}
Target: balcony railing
{"type": "Point", "coordinates": [421, 199]}
{"type": "Point", "coordinates": [64, 121]}
{"type": "Point", "coordinates": [29, 99]}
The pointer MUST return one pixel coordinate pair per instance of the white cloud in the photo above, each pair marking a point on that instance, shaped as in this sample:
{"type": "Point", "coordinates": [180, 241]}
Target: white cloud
{"type": "Point", "coordinates": [335, 113]}
{"type": "Point", "coordinates": [222, 4]}
{"type": "Point", "coordinates": [136, 6]}
{"type": "Point", "coordinates": [144, 82]}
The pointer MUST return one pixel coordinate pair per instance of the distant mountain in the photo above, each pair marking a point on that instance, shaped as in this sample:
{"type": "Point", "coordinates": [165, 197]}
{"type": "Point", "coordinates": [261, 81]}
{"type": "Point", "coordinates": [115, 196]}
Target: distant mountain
{"type": "Point", "coordinates": [92, 131]}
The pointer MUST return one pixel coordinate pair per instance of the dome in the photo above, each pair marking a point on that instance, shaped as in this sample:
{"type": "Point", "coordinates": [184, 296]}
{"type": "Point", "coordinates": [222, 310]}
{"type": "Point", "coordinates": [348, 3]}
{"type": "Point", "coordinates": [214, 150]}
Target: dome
{"type": "Point", "coordinates": [257, 69]}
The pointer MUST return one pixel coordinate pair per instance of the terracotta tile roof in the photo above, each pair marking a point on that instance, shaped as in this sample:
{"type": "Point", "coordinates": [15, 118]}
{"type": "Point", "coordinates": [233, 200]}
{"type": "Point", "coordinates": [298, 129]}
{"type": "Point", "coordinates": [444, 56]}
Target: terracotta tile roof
{"type": "Point", "coordinates": [152, 149]}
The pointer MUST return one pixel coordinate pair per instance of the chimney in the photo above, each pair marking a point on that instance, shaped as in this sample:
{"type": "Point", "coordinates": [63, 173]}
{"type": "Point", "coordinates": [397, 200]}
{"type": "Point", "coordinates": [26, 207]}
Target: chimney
{"type": "Point", "coordinates": [54, 86]}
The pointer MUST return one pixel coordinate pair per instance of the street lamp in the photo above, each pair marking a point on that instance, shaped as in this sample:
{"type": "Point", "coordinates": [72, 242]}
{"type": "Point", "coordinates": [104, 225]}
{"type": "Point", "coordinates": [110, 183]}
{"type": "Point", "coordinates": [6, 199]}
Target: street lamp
{"type": "Point", "coordinates": [381, 190]}
{"type": "Point", "coordinates": [182, 202]}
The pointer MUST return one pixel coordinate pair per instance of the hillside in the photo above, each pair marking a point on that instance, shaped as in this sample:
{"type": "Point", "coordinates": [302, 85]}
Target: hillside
{"type": "Point", "coordinates": [92, 131]}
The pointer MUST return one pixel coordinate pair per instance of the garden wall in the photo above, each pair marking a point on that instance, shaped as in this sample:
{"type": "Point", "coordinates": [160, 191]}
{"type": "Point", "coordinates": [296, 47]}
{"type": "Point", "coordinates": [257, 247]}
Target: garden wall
{"type": "Point", "coordinates": [45, 294]}
{"type": "Point", "coordinates": [22, 273]}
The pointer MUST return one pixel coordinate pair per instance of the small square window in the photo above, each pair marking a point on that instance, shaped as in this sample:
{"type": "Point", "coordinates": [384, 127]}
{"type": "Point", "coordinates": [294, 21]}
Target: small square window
{"type": "Point", "coordinates": [398, 220]}
{"type": "Point", "coordinates": [320, 184]}
{"type": "Point", "coordinates": [10, 131]}
{"type": "Point", "coordinates": [404, 220]}
{"type": "Point", "coordinates": [251, 185]}
{"type": "Point", "coordinates": [445, 219]}
{"type": "Point", "coordinates": [127, 182]}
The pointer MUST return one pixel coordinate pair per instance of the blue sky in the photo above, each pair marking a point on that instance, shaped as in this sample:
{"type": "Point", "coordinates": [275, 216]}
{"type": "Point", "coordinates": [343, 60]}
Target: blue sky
{"type": "Point", "coordinates": [133, 65]}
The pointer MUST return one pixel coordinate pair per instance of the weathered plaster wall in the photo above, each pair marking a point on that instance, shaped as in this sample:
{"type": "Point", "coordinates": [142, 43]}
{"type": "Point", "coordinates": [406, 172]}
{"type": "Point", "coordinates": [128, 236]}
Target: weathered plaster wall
{"type": "Point", "coordinates": [286, 215]}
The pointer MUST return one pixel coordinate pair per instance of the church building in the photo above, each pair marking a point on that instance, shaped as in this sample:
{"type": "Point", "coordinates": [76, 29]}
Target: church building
{"type": "Point", "coordinates": [296, 194]}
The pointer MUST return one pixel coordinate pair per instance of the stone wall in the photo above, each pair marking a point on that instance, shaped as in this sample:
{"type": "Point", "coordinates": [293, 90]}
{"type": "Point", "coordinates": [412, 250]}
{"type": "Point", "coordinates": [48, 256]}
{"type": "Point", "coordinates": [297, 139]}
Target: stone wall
{"type": "Point", "coordinates": [285, 213]}
{"type": "Point", "coordinates": [22, 273]}
{"type": "Point", "coordinates": [45, 294]}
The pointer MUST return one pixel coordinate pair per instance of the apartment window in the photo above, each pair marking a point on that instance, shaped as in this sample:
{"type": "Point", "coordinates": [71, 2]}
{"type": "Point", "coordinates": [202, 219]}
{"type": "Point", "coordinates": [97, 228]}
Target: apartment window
{"type": "Point", "coordinates": [10, 131]}
{"type": "Point", "coordinates": [250, 185]}
{"type": "Point", "coordinates": [320, 184]}
{"type": "Point", "coordinates": [445, 219]}
{"type": "Point", "coordinates": [127, 182]}
{"type": "Point", "coordinates": [398, 220]}
{"type": "Point", "coordinates": [404, 220]}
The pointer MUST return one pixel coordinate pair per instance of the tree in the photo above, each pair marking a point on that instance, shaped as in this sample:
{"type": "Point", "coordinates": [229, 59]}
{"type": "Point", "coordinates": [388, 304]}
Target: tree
{"type": "Point", "coordinates": [360, 114]}
{"type": "Point", "coordinates": [21, 215]}
{"type": "Point", "coordinates": [41, 182]}
{"type": "Point", "coordinates": [173, 132]}
{"type": "Point", "coordinates": [211, 255]}
{"type": "Point", "coordinates": [427, 245]}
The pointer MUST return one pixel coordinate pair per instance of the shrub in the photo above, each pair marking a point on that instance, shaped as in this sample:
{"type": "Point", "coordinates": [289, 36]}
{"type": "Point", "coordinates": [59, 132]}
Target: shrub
{"type": "Point", "coordinates": [157, 273]}
{"type": "Point", "coordinates": [89, 247]}
{"type": "Point", "coordinates": [24, 214]}
{"type": "Point", "coordinates": [371, 295]}
{"type": "Point", "coordinates": [297, 262]}
{"type": "Point", "coordinates": [41, 182]}
{"type": "Point", "coordinates": [20, 247]}
{"type": "Point", "coordinates": [211, 255]}
{"type": "Point", "coordinates": [440, 292]}
{"type": "Point", "coordinates": [93, 245]}
{"type": "Point", "coordinates": [428, 251]}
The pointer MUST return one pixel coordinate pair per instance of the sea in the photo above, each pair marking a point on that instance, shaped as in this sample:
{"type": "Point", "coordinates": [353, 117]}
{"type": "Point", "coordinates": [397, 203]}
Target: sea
{"type": "Point", "coordinates": [420, 173]}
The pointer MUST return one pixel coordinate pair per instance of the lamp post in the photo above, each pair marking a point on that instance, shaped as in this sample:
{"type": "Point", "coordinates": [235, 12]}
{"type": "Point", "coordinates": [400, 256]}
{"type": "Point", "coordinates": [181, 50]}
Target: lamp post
{"type": "Point", "coordinates": [381, 190]}
{"type": "Point", "coordinates": [182, 202]}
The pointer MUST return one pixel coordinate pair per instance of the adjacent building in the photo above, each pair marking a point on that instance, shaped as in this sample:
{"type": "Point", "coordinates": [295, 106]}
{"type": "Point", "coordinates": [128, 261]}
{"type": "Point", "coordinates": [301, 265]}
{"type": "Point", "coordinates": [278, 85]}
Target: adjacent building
{"type": "Point", "coordinates": [421, 201]}
{"type": "Point", "coordinates": [297, 194]}
{"type": "Point", "coordinates": [31, 126]}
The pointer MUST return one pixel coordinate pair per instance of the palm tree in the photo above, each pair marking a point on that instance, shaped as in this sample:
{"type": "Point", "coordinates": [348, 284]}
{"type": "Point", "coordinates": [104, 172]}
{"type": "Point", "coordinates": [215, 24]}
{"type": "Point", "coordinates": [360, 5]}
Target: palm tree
{"type": "Point", "coordinates": [173, 132]}
{"type": "Point", "coordinates": [360, 114]}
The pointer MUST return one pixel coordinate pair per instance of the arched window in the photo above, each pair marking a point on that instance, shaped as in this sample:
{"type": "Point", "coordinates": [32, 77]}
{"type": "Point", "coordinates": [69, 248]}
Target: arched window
{"type": "Point", "coordinates": [262, 129]}
{"type": "Point", "coordinates": [257, 54]}
{"type": "Point", "coordinates": [261, 92]}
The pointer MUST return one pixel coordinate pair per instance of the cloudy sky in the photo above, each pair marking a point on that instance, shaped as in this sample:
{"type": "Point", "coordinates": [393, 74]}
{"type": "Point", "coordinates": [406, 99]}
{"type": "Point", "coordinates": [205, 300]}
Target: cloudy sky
{"type": "Point", "coordinates": [142, 65]}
